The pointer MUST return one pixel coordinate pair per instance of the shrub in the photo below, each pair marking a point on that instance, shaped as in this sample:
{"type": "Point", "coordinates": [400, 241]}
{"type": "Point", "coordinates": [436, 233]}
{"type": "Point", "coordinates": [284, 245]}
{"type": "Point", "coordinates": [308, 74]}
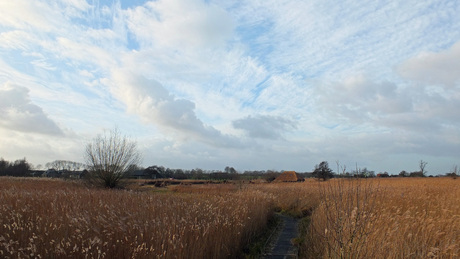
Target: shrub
{"type": "Point", "coordinates": [111, 157]}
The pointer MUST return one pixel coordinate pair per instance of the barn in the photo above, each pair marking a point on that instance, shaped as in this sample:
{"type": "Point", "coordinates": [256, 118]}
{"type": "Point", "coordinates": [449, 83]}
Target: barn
{"type": "Point", "coordinates": [289, 176]}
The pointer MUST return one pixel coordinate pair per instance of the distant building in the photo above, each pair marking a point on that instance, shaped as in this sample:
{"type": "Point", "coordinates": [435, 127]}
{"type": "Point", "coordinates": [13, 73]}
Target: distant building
{"type": "Point", "coordinates": [36, 173]}
{"type": "Point", "coordinates": [71, 174]}
{"type": "Point", "coordinates": [289, 176]}
{"type": "Point", "coordinates": [147, 173]}
{"type": "Point", "coordinates": [52, 173]}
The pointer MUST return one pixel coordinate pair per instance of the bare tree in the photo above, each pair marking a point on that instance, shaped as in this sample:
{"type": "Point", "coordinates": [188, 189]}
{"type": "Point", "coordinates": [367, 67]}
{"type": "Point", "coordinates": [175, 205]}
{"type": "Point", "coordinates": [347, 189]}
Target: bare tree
{"type": "Point", "coordinates": [454, 172]}
{"type": "Point", "coordinates": [110, 157]}
{"type": "Point", "coordinates": [64, 165]}
{"type": "Point", "coordinates": [422, 167]}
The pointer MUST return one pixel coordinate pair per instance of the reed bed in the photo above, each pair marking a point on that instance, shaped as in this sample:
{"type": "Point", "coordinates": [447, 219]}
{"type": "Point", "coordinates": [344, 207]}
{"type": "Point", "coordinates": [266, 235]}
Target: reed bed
{"type": "Point", "coordinates": [375, 218]}
{"type": "Point", "coordinates": [58, 219]}
{"type": "Point", "coordinates": [391, 218]}
{"type": "Point", "coordinates": [298, 199]}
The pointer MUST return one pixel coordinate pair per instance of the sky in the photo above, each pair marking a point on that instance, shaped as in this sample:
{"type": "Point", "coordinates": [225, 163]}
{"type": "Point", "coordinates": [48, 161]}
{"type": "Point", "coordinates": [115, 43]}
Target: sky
{"type": "Point", "coordinates": [256, 85]}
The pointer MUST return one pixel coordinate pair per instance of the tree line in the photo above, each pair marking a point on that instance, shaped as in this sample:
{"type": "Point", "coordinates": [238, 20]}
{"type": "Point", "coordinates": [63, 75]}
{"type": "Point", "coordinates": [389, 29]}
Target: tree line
{"type": "Point", "coordinates": [113, 157]}
{"type": "Point", "coordinates": [228, 173]}
{"type": "Point", "coordinates": [322, 171]}
{"type": "Point", "coordinates": [19, 167]}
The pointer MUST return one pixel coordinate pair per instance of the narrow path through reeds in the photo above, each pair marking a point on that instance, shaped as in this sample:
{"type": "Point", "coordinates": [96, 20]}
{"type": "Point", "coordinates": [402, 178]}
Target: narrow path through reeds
{"type": "Point", "coordinates": [282, 246]}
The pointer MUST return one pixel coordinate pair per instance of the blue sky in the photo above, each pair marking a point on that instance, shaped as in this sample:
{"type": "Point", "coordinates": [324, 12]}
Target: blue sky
{"type": "Point", "coordinates": [249, 84]}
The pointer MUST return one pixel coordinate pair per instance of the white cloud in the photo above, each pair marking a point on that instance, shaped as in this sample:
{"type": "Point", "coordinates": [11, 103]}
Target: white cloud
{"type": "Point", "coordinates": [40, 148]}
{"type": "Point", "coordinates": [23, 14]}
{"type": "Point", "coordinates": [438, 68]}
{"type": "Point", "coordinates": [180, 24]}
{"type": "Point", "coordinates": [186, 45]}
{"type": "Point", "coordinates": [80, 5]}
{"type": "Point", "coordinates": [264, 126]}
{"type": "Point", "coordinates": [418, 106]}
{"type": "Point", "coordinates": [41, 16]}
{"type": "Point", "coordinates": [252, 84]}
{"type": "Point", "coordinates": [84, 52]}
{"type": "Point", "coordinates": [16, 39]}
{"type": "Point", "coordinates": [359, 100]}
{"type": "Point", "coordinates": [18, 113]}
{"type": "Point", "coordinates": [152, 102]}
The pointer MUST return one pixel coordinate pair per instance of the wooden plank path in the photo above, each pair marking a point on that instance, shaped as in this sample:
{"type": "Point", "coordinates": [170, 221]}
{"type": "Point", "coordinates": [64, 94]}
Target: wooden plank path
{"type": "Point", "coordinates": [282, 246]}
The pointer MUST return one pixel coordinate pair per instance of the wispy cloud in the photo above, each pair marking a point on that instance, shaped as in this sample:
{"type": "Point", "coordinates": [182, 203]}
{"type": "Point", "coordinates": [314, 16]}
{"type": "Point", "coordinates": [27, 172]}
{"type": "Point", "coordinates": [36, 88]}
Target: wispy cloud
{"type": "Point", "coordinates": [240, 82]}
{"type": "Point", "coordinates": [263, 126]}
{"type": "Point", "coordinates": [359, 100]}
{"type": "Point", "coordinates": [163, 24]}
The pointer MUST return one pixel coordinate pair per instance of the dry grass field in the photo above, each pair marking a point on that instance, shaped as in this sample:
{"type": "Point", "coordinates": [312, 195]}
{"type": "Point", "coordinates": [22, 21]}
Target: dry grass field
{"type": "Point", "coordinates": [377, 218]}
{"type": "Point", "coordinates": [386, 218]}
{"type": "Point", "coordinates": [58, 219]}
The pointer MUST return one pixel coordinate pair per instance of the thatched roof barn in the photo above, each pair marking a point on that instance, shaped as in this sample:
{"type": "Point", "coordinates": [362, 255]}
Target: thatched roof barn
{"type": "Point", "coordinates": [289, 176]}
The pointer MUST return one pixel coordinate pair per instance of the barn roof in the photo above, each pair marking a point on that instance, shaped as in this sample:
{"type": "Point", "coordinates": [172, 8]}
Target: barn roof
{"type": "Point", "coordinates": [289, 176]}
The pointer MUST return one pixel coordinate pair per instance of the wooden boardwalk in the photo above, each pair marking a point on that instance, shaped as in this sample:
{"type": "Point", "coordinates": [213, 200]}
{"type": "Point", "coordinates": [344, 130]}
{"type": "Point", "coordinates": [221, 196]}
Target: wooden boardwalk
{"type": "Point", "coordinates": [282, 245]}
